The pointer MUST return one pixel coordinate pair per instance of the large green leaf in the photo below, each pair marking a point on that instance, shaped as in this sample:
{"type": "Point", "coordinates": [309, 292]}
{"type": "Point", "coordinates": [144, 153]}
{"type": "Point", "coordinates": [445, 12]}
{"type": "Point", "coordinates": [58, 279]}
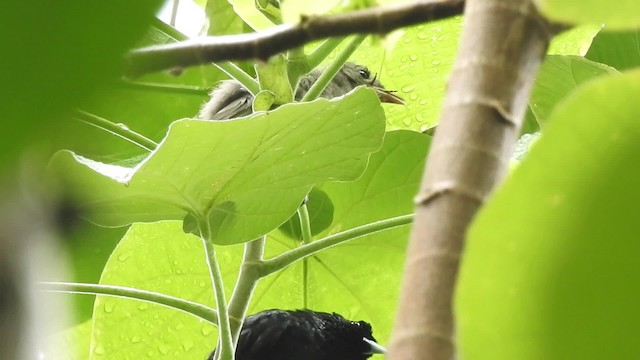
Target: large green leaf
{"type": "Point", "coordinates": [417, 62]}
{"type": "Point", "coordinates": [551, 264]}
{"type": "Point", "coordinates": [359, 279]}
{"type": "Point", "coordinates": [618, 49]}
{"type": "Point", "coordinates": [157, 257]}
{"type": "Point", "coordinates": [559, 76]}
{"type": "Point", "coordinates": [622, 14]}
{"type": "Point", "coordinates": [248, 175]}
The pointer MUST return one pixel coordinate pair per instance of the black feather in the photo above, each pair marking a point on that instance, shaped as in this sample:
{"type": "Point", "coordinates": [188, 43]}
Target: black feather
{"type": "Point", "coordinates": [302, 335]}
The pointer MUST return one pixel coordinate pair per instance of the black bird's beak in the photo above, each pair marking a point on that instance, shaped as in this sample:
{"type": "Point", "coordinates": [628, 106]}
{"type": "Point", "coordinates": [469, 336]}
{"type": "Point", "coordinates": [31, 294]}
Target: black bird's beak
{"type": "Point", "coordinates": [375, 347]}
{"type": "Point", "coordinates": [388, 96]}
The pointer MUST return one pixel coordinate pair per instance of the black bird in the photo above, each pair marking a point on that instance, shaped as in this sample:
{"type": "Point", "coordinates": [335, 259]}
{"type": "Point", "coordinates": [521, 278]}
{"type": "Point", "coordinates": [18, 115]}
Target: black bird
{"type": "Point", "coordinates": [230, 99]}
{"type": "Point", "coordinates": [304, 335]}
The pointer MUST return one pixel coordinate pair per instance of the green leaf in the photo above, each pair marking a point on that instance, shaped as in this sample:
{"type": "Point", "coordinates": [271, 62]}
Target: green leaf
{"type": "Point", "coordinates": [43, 81]}
{"type": "Point", "coordinates": [359, 279]}
{"type": "Point", "coordinates": [223, 20]}
{"type": "Point", "coordinates": [550, 263]}
{"type": "Point", "coordinates": [575, 41]}
{"type": "Point", "coordinates": [622, 14]}
{"type": "Point", "coordinates": [157, 257]}
{"type": "Point", "coordinates": [618, 49]}
{"type": "Point", "coordinates": [263, 101]}
{"type": "Point", "coordinates": [416, 62]}
{"type": "Point", "coordinates": [558, 77]}
{"type": "Point", "coordinates": [273, 77]}
{"type": "Point", "coordinates": [247, 10]}
{"type": "Point", "coordinates": [530, 124]}
{"type": "Point", "coordinates": [87, 249]}
{"type": "Point", "coordinates": [146, 105]}
{"type": "Point", "coordinates": [248, 175]}
{"type": "Point", "coordinates": [320, 210]}
{"type": "Point", "coordinates": [270, 9]}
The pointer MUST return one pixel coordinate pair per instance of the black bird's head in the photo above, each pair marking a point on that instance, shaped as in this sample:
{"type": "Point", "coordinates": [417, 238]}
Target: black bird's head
{"type": "Point", "coordinates": [304, 334]}
{"type": "Point", "coordinates": [354, 339]}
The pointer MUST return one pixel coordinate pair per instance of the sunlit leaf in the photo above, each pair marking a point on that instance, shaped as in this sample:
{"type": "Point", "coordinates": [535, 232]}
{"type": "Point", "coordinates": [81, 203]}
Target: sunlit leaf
{"type": "Point", "coordinates": [550, 266]}
{"type": "Point", "coordinates": [223, 20]}
{"type": "Point", "coordinates": [248, 176]}
{"type": "Point", "coordinates": [574, 41]}
{"type": "Point", "coordinates": [623, 14]}
{"type": "Point", "coordinates": [558, 77]}
{"type": "Point", "coordinates": [157, 257]}
{"type": "Point", "coordinates": [359, 279]}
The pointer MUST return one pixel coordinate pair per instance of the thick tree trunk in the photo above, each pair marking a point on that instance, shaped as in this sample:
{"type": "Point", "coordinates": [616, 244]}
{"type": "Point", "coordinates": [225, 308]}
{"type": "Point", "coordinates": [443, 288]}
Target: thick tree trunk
{"type": "Point", "coordinates": [503, 44]}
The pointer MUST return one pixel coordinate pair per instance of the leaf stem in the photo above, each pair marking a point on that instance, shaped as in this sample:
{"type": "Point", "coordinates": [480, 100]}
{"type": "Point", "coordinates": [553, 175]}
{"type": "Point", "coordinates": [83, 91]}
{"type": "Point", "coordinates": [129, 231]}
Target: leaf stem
{"type": "Point", "coordinates": [245, 285]}
{"type": "Point", "coordinates": [225, 350]}
{"type": "Point", "coordinates": [163, 88]}
{"type": "Point", "coordinates": [305, 227]}
{"type": "Point", "coordinates": [287, 258]}
{"type": "Point", "coordinates": [237, 73]}
{"type": "Point", "coordinates": [193, 308]}
{"type": "Point", "coordinates": [331, 70]}
{"type": "Point", "coordinates": [305, 222]}
{"type": "Point", "coordinates": [116, 129]}
{"type": "Point", "coordinates": [321, 52]}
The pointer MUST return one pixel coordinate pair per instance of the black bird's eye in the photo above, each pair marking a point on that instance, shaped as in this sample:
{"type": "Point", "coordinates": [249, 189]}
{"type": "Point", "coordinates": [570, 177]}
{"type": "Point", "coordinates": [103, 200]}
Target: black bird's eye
{"type": "Point", "coordinates": [364, 73]}
{"type": "Point", "coordinates": [365, 325]}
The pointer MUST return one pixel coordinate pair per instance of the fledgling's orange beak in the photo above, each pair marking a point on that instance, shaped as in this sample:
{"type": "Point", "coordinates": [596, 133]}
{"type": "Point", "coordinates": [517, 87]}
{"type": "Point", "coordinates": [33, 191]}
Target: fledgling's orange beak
{"type": "Point", "coordinates": [388, 96]}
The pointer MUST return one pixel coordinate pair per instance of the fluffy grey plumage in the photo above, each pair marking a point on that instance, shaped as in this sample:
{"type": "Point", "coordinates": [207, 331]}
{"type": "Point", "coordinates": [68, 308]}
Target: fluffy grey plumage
{"type": "Point", "coordinates": [230, 99]}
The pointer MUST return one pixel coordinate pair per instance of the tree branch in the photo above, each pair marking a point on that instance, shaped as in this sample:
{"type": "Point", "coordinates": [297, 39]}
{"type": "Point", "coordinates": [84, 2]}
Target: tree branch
{"type": "Point", "coordinates": [262, 45]}
{"type": "Point", "coordinates": [502, 46]}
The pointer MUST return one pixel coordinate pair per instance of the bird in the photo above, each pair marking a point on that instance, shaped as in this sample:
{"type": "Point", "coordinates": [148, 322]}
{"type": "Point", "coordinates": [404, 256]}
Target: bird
{"type": "Point", "coordinates": [304, 335]}
{"type": "Point", "coordinates": [231, 100]}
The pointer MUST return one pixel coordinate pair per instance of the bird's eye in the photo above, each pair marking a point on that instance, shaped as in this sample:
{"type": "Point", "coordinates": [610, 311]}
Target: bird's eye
{"type": "Point", "coordinates": [364, 73]}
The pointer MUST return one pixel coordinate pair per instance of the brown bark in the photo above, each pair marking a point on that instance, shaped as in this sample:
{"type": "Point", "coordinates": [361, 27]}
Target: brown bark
{"type": "Point", "coordinates": [502, 46]}
{"type": "Point", "coordinates": [262, 45]}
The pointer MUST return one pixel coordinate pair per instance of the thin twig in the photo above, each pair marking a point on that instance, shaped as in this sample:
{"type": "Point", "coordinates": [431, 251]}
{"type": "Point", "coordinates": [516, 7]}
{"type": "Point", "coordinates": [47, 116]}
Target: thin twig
{"type": "Point", "coordinates": [116, 129]}
{"type": "Point", "coordinates": [287, 258]}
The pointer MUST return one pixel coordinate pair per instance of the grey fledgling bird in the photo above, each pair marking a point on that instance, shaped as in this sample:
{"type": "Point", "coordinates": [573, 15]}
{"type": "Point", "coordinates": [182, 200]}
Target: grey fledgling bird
{"type": "Point", "coordinates": [230, 99]}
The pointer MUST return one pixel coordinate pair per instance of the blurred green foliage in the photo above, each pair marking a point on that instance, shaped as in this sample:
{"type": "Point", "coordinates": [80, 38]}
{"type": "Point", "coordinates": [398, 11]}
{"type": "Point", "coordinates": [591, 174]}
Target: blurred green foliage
{"type": "Point", "coordinates": [550, 267]}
